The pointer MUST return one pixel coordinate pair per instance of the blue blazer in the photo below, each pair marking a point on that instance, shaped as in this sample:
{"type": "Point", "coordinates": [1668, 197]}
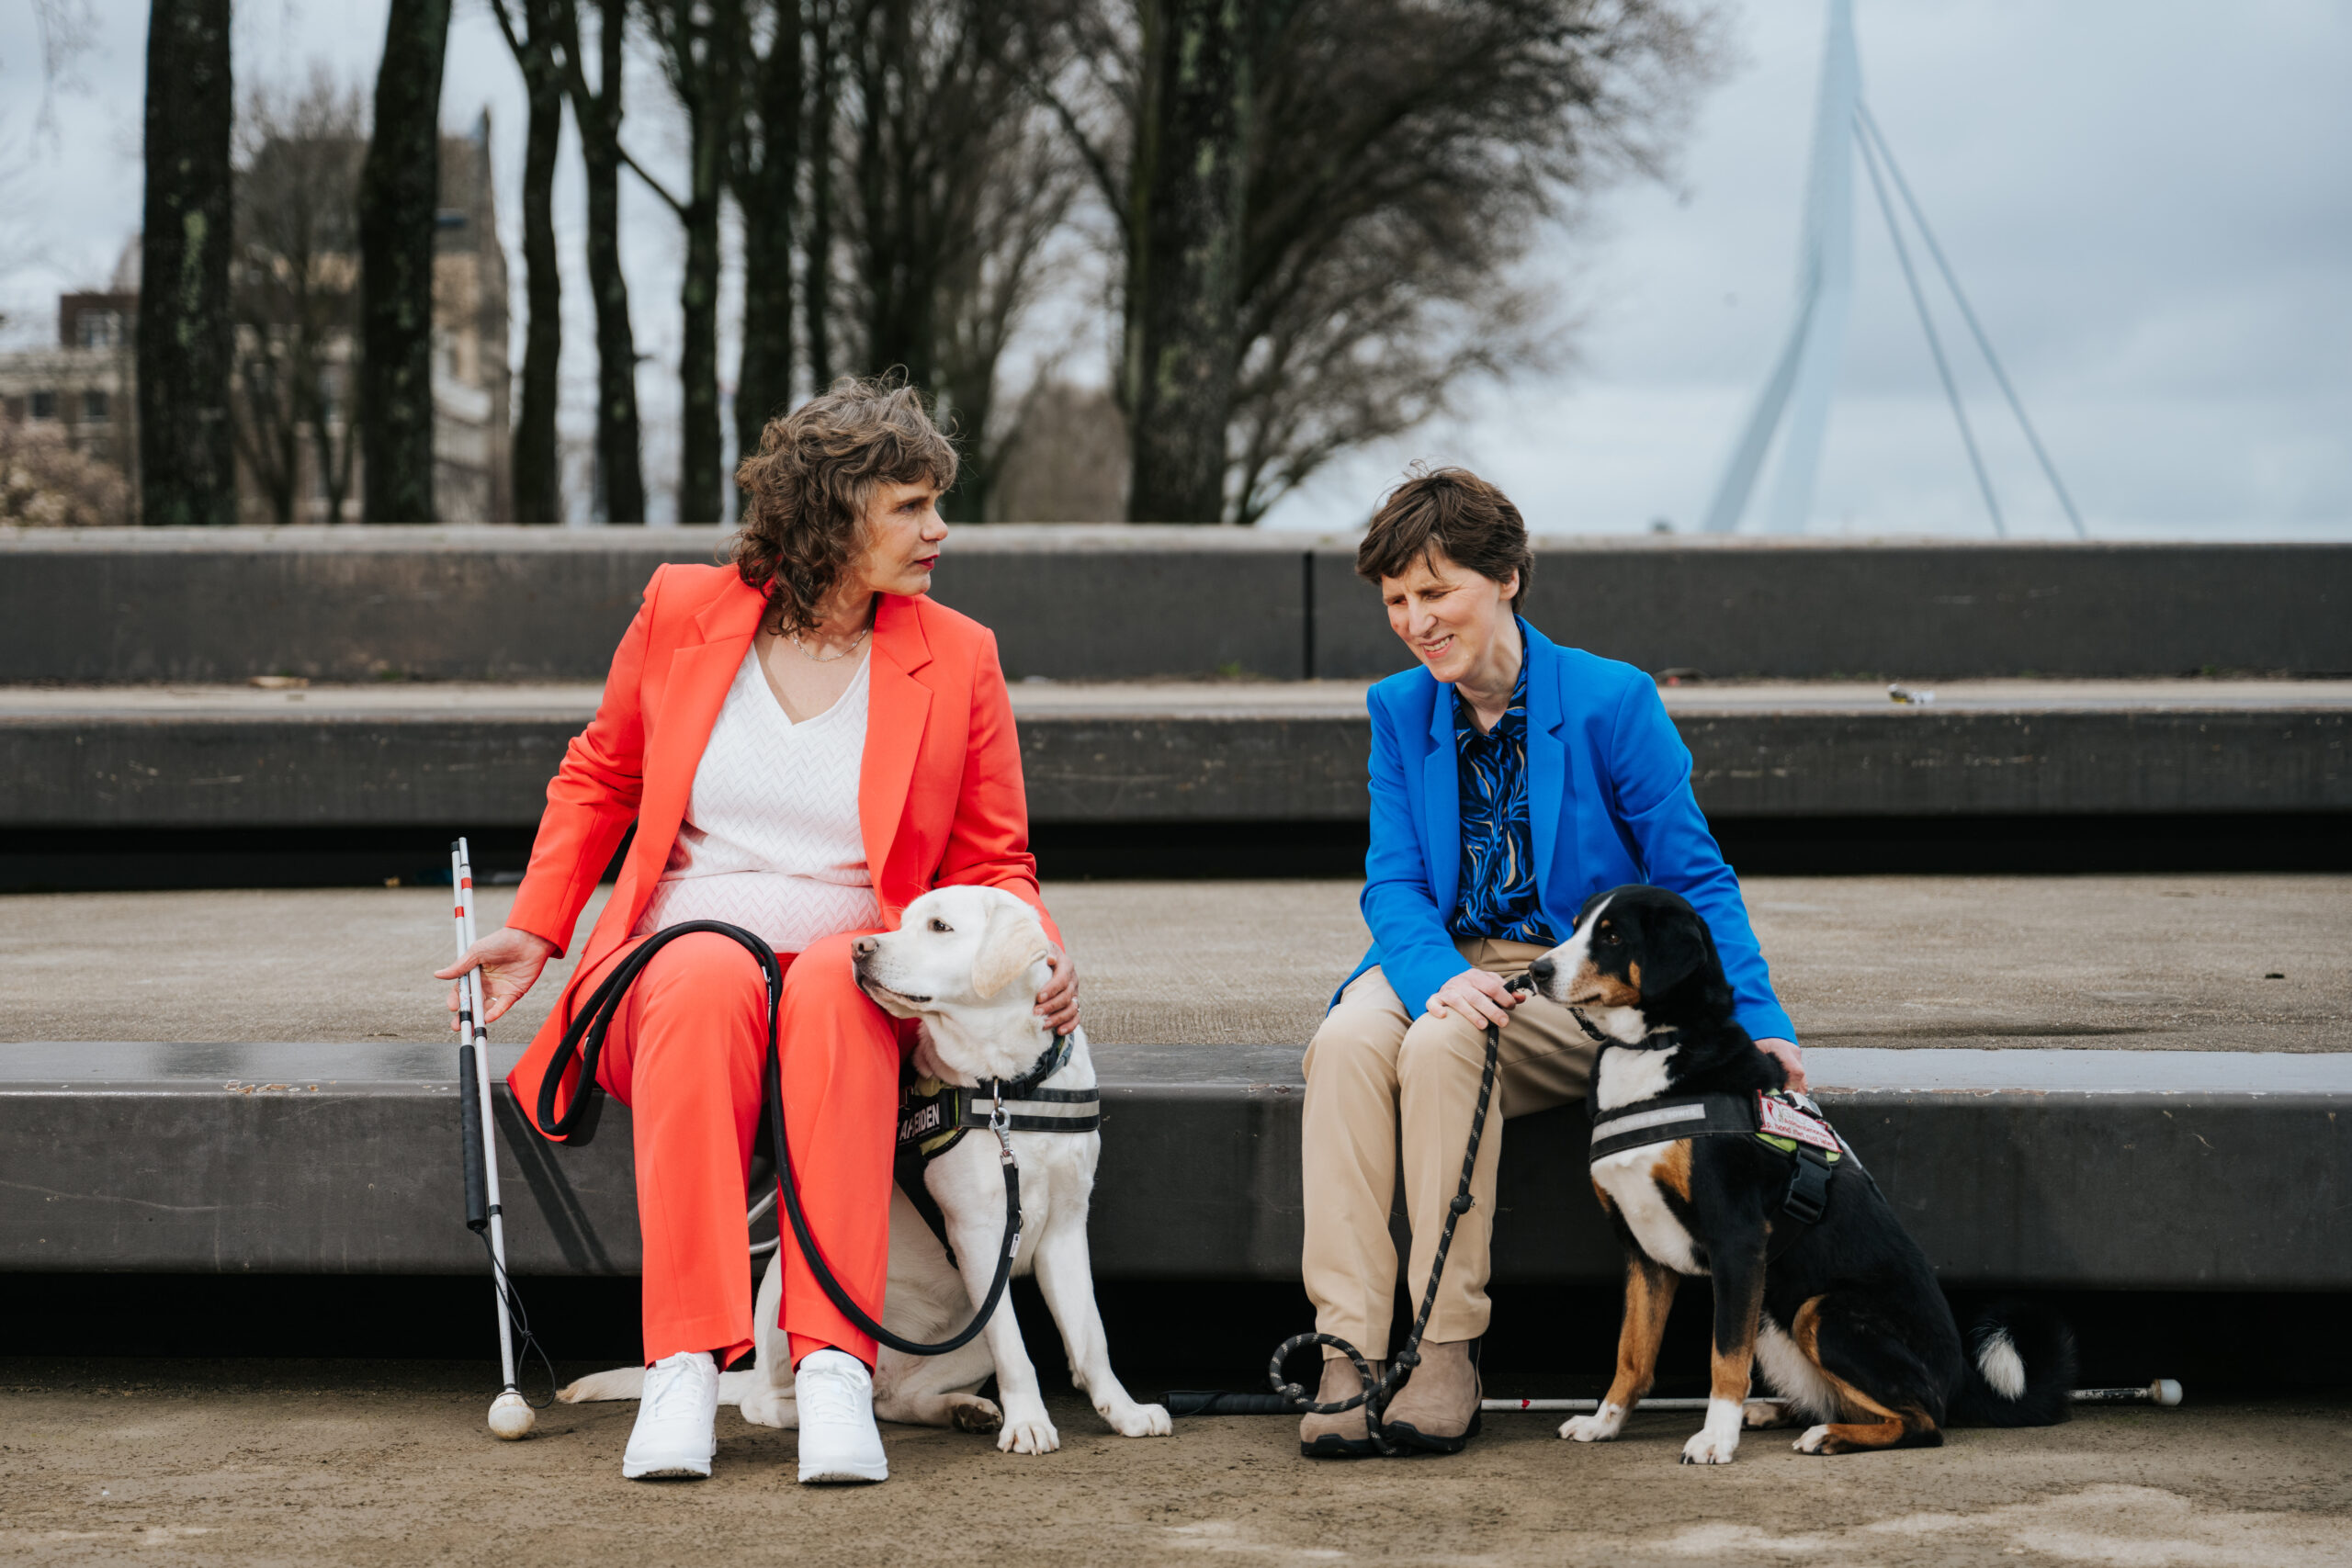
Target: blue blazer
{"type": "Point", "coordinates": [1609, 803]}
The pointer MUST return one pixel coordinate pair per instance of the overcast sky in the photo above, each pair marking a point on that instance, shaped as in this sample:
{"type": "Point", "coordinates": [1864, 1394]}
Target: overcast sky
{"type": "Point", "coordinates": [2151, 206]}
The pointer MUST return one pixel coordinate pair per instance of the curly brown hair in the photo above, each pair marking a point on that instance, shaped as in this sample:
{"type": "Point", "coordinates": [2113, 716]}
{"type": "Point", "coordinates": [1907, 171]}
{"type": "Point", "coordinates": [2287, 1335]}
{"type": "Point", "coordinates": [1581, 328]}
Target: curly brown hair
{"type": "Point", "coordinates": [807, 490]}
{"type": "Point", "coordinates": [1454, 511]}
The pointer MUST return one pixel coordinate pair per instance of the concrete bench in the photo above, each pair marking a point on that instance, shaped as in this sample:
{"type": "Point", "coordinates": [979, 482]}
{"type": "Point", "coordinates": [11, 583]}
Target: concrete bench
{"type": "Point", "coordinates": [2184, 1125]}
{"type": "Point", "coordinates": [2077, 1170]}
{"type": "Point", "coordinates": [1116, 602]}
{"type": "Point", "coordinates": [478, 757]}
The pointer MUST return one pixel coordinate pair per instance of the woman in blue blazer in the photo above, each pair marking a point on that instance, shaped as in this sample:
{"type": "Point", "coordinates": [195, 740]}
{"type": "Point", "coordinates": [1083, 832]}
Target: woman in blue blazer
{"type": "Point", "coordinates": [1511, 779]}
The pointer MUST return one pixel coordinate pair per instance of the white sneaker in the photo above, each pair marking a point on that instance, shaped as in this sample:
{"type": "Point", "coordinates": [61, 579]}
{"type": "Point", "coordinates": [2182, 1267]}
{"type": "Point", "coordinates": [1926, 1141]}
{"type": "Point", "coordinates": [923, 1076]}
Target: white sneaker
{"type": "Point", "coordinates": [677, 1419]}
{"type": "Point", "coordinates": [838, 1439]}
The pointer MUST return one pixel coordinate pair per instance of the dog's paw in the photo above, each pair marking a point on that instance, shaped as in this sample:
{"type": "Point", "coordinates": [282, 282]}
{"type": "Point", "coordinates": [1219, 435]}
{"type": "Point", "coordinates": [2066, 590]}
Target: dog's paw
{"type": "Point", "coordinates": [1133, 1420]}
{"type": "Point", "coordinates": [970, 1412]}
{"type": "Point", "coordinates": [1711, 1448]}
{"type": "Point", "coordinates": [1029, 1435]}
{"type": "Point", "coordinates": [1814, 1441]}
{"type": "Point", "coordinates": [1759, 1414]}
{"type": "Point", "coordinates": [1603, 1426]}
{"type": "Point", "coordinates": [769, 1406]}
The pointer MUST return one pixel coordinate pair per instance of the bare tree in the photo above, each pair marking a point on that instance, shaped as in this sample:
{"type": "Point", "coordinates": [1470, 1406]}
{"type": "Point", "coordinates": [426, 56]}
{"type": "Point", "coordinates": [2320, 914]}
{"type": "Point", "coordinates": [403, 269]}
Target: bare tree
{"type": "Point", "coordinates": [827, 33]}
{"type": "Point", "coordinates": [957, 188]}
{"type": "Point", "coordinates": [763, 172]}
{"type": "Point", "coordinates": [186, 456]}
{"type": "Point", "coordinates": [596, 111]}
{"type": "Point", "coordinates": [534, 36]}
{"type": "Point", "coordinates": [992, 278]}
{"type": "Point", "coordinates": [294, 291]}
{"type": "Point", "coordinates": [700, 43]}
{"type": "Point", "coordinates": [398, 203]}
{"type": "Point", "coordinates": [1187, 217]}
{"type": "Point", "coordinates": [1404, 157]}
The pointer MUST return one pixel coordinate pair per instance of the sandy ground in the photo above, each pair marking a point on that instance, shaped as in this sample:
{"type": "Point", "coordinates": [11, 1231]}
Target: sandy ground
{"type": "Point", "coordinates": [261, 1463]}
{"type": "Point", "coordinates": [2254, 963]}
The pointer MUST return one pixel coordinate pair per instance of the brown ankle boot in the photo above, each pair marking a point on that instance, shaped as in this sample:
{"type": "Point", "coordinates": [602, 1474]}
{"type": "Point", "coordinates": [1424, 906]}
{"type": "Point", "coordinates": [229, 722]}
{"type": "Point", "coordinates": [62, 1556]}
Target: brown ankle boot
{"type": "Point", "coordinates": [1437, 1410]}
{"type": "Point", "coordinates": [1342, 1436]}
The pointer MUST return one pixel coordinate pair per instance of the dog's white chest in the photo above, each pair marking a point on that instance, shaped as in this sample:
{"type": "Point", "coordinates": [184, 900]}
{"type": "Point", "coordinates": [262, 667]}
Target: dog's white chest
{"type": "Point", "coordinates": [1625, 1076]}
{"type": "Point", "coordinates": [1630, 1179]}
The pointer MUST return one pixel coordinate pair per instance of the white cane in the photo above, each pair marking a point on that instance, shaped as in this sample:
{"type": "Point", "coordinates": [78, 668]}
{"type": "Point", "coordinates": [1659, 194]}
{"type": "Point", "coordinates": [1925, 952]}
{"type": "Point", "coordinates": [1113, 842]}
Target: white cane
{"type": "Point", "coordinates": [511, 1416]}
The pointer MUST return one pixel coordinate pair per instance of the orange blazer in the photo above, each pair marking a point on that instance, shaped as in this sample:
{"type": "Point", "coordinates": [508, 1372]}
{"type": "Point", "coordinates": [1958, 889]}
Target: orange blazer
{"type": "Point", "coordinates": [939, 793]}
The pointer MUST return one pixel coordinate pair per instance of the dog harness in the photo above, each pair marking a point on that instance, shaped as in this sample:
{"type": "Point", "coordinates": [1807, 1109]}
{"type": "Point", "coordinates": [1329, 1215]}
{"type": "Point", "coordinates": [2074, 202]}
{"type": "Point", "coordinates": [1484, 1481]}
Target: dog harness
{"type": "Point", "coordinates": [1781, 1119]}
{"type": "Point", "coordinates": [933, 1116]}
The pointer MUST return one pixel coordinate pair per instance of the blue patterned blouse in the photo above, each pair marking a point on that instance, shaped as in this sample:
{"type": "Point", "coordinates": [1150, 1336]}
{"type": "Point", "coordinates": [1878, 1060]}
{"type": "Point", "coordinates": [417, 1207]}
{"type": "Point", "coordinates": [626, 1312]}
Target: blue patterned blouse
{"type": "Point", "coordinates": [1499, 897]}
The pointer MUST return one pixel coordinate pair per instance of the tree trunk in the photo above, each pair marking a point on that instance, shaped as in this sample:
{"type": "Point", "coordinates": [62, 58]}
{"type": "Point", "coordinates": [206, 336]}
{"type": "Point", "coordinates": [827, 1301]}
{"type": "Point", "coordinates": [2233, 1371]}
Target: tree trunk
{"type": "Point", "coordinates": [817, 290]}
{"type": "Point", "coordinates": [620, 478]}
{"type": "Point", "coordinates": [701, 44]}
{"type": "Point", "coordinates": [400, 194]}
{"type": "Point", "coordinates": [1188, 184]}
{"type": "Point", "coordinates": [187, 469]}
{"type": "Point", "coordinates": [539, 494]}
{"type": "Point", "coordinates": [701, 458]}
{"type": "Point", "coordinates": [767, 172]}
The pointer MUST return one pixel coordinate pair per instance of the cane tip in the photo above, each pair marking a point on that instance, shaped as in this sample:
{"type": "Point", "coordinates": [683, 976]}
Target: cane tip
{"type": "Point", "coordinates": [511, 1418]}
{"type": "Point", "coordinates": [2166, 1392]}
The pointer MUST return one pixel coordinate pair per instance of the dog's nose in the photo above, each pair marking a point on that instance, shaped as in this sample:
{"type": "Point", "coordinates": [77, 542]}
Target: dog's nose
{"type": "Point", "coordinates": [1542, 970]}
{"type": "Point", "coordinates": [865, 946]}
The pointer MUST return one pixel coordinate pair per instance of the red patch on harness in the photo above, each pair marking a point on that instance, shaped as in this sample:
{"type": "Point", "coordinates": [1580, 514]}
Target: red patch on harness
{"type": "Point", "coordinates": [1780, 1119]}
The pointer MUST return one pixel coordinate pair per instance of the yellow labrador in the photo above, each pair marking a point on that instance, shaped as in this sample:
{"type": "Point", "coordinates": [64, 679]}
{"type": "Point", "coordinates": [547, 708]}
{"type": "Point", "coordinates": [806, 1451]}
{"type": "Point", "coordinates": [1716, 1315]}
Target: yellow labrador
{"type": "Point", "coordinates": [967, 962]}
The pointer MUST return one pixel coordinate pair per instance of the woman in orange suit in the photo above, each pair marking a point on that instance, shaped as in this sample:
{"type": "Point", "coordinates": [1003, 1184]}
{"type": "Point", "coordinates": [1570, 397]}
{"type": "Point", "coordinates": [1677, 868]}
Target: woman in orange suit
{"type": "Point", "coordinates": [805, 743]}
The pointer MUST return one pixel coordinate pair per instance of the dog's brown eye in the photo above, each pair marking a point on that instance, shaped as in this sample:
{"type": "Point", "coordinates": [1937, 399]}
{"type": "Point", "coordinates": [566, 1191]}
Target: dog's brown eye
{"type": "Point", "coordinates": [939, 925]}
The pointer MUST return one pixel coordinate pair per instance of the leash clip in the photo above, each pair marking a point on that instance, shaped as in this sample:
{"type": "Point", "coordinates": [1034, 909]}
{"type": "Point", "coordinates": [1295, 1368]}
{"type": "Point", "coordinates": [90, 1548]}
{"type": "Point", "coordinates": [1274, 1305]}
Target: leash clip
{"type": "Point", "coordinates": [1000, 1121]}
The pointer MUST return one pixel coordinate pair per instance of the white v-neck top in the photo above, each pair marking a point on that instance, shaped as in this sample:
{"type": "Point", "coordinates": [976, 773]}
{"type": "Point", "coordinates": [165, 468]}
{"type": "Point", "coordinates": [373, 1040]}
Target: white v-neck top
{"type": "Point", "coordinates": [771, 839]}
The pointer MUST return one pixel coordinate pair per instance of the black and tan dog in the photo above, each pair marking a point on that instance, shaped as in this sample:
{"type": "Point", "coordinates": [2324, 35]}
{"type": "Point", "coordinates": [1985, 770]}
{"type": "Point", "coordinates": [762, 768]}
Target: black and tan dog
{"type": "Point", "coordinates": [1706, 1165]}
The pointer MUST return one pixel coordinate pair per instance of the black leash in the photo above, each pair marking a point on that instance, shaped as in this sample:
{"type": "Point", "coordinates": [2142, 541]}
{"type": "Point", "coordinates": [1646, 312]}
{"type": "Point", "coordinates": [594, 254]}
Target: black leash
{"type": "Point", "coordinates": [1375, 1398]}
{"type": "Point", "coordinates": [584, 1040]}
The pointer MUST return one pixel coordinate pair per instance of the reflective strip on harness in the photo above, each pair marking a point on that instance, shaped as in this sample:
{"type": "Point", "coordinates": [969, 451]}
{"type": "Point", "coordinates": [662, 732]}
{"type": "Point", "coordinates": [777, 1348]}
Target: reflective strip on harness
{"type": "Point", "coordinates": [933, 1117]}
{"type": "Point", "coordinates": [1781, 1119]}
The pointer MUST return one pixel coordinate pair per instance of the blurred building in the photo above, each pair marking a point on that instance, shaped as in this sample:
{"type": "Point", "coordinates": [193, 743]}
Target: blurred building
{"type": "Point", "coordinates": [82, 391]}
{"type": "Point", "coordinates": [86, 389]}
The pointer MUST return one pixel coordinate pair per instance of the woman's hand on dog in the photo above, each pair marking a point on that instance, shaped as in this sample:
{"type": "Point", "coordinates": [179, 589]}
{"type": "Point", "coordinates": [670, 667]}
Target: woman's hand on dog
{"type": "Point", "coordinates": [1057, 1003]}
{"type": "Point", "coordinates": [1787, 1053]}
{"type": "Point", "coordinates": [510, 963]}
{"type": "Point", "coordinates": [1476, 995]}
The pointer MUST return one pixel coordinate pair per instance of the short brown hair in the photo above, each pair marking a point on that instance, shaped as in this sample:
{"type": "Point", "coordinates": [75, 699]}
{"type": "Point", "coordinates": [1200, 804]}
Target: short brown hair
{"type": "Point", "coordinates": [1450, 510]}
{"type": "Point", "coordinates": [807, 489]}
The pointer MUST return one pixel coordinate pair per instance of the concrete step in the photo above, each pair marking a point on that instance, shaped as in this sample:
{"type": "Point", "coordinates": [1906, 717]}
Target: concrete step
{"type": "Point", "coordinates": [1114, 601]}
{"type": "Point", "coordinates": [2073, 1169]}
{"type": "Point", "coordinates": [2140, 963]}
{"type": "Point", "coordinates": [478, 757]}
{"type": "Point", "coordinates": [2083, 1081]}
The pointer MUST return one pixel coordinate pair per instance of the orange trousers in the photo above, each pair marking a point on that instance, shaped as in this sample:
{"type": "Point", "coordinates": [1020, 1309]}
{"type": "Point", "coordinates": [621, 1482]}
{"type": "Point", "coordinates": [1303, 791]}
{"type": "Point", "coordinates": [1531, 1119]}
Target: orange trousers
{"type": "Point", "coordinates": [685, 1054]}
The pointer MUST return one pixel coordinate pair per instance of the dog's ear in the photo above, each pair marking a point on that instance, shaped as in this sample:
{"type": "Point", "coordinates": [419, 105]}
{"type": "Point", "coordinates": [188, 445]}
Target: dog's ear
{"type": "Point", "coordinates": [1014, 940]}
{"type": "Point", "coordinates": [1677, 947]}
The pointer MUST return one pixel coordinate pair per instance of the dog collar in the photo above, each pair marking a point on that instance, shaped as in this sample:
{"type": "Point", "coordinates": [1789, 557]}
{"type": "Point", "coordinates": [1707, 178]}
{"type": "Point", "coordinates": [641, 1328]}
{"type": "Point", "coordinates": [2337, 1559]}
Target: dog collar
{"type": "Point", "coordinates": [1598, 1038]}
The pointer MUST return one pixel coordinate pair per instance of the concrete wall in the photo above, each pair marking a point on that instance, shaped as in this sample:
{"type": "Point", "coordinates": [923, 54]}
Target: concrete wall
{"type": "Point", "coordinates": [1104, 602]}
{"type": "Point", "coordinates": [328, 771]}
{"type": "Point", "coordinates": [342, 1160]}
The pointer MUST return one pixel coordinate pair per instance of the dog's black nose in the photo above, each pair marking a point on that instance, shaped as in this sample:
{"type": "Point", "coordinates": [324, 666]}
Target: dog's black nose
{"type": "Point", "coordinates": [865, 946]}
{"type": "Point", "coordinates": [1541, 970]}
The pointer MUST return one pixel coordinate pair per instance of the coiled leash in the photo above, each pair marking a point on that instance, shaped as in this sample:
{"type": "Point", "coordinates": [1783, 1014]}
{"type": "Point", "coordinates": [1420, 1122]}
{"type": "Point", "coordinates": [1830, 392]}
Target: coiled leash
{"type": "Point", "coordinates": [584, 1040]}
{"type": "Point", "coordinates": [1374, 1397]}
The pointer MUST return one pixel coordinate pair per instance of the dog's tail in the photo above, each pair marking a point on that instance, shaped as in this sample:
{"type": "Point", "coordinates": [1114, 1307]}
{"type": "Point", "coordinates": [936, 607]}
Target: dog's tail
{"type": "Point", "coordinates": [2019, 1368]}
{"type": "Point", "coordinates": [629, 1383]}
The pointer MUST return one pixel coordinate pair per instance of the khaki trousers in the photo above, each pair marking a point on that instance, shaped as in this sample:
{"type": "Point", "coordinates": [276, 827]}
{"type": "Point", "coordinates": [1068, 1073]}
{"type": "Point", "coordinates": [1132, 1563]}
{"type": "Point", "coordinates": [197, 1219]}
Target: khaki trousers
{"type": "Point", "coordinates": [1382, 1081]}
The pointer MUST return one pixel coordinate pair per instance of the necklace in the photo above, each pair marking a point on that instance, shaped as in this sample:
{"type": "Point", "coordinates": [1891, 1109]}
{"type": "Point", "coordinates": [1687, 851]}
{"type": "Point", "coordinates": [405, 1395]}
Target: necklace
{"type": "Point", "coordinates": [793, 638]}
